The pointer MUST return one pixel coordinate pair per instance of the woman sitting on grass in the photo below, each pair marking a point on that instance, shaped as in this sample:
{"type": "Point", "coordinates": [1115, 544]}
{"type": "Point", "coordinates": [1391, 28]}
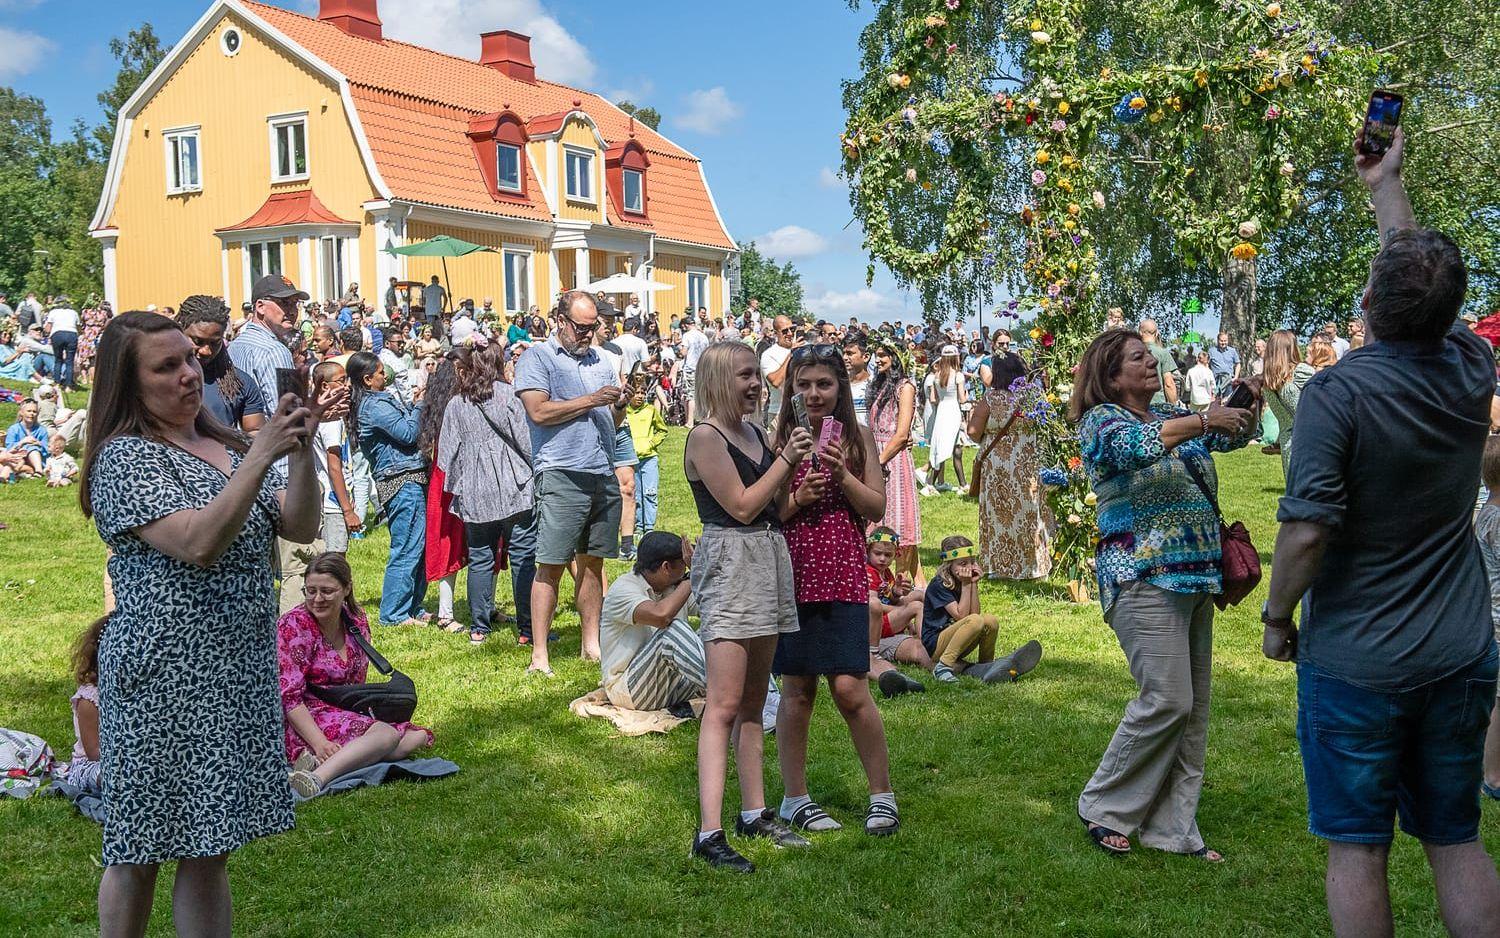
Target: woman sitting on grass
{"type": "Point", "coordinates": [313, 647]}
{"type": "Point", "coordinates": [895, 612]}
{"type": "Point", "coordinates": [26, 444]}
{"type": "Point", "coordinates": [953, 626]}
{"type": "Point", "coordinates": [82, 771]}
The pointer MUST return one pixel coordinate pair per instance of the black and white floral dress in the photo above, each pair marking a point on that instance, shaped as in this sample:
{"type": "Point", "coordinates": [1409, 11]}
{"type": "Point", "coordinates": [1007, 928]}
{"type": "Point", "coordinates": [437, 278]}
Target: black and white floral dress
{"type": "Point", "coordinates": [190, 735]}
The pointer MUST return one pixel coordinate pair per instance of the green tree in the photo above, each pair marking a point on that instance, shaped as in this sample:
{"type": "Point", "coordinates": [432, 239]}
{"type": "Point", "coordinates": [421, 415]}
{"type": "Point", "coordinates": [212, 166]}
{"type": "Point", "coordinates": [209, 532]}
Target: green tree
{"type": "Point", "coordinates": [25, 161]}
{"type": "Point", "coordinates": [138, 53]}
{"type": "Point", "coordinates": [779, 288]}
{"type": "Point", "coordinates": [649, 116]}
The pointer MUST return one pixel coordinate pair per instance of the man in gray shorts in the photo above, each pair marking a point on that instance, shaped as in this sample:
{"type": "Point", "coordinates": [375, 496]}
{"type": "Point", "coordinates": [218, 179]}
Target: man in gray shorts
{"type": "Point", "coordinates": [574, 405]}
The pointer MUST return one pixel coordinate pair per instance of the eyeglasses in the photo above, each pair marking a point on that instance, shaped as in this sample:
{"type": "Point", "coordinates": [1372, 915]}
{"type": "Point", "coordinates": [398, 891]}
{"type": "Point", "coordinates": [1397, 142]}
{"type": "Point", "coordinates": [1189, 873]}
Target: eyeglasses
{"type": "Point", "coordinates": [579, 328]}
{"type": "Point", "coordinates": [788, 329]}
{"type": "Point", "coordinates": [313, 592]}
{"type": "Point", "coordinates": [818, 353]}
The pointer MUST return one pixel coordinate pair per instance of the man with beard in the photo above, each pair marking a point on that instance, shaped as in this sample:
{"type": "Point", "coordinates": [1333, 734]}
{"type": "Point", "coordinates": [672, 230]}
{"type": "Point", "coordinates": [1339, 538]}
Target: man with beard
{"type": "Point", "coordinates": [228, 393]}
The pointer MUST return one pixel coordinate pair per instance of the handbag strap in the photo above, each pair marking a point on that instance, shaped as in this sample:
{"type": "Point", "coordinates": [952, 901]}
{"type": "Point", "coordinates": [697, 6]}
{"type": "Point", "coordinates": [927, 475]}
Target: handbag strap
{"type": "Point", "coordinates": [376, 658]}
{"type": "Point", "coordinates": [505, 435]}
{"type": "Point", "coordinates": [1192, 469]}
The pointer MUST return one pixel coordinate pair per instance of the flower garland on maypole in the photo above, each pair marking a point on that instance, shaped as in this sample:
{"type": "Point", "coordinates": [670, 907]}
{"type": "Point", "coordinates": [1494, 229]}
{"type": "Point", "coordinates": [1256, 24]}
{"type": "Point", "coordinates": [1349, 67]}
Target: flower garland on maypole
{"type": "Point", "coordinates": [929, 129]}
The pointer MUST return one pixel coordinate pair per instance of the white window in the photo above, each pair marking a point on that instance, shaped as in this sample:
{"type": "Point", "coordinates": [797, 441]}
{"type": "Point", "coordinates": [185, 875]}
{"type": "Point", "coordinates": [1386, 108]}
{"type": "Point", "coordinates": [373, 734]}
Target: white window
{"type": "Point", "coordinates": [289, 148]}
{"type": "Point", "coordinates": [262, 257]}
{"type": "Point", "coordinates": [517, 280]}
{"type": "Point", "coordinates": [184, 173]}
{"type": "Point", "coordinates": [331, 255]}
{"type": "Point", "coordinates": [634, 194]}
{"type": "Point", "coordinates": [697, 284]}
{"type": "Point", "coordinates": [580, 165]}
{"type": "Point", "coordinates": [508, 167]}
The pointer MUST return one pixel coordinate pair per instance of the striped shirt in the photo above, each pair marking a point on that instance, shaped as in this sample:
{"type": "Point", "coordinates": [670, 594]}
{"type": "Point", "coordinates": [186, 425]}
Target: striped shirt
{"type": "Point", "coordinates": [257, 352]}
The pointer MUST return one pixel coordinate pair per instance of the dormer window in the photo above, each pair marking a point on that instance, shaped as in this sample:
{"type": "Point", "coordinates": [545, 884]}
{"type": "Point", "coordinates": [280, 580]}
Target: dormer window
{"type": "Point", "coordinates": [625, 169]}
{"type": "Point", "coordinates": [508, 167]}
{"type": "Point", "coordinates": [580, 166]}
{"type": "Point", "coordinates": [635, 190]}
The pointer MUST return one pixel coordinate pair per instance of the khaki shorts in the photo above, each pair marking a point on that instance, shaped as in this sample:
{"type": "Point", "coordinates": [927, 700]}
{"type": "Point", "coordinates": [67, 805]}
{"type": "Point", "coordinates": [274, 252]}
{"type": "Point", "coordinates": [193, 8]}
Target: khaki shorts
{"type": "Point", "coordinates": [577, 513]}
{"type": "Point", "coordinates": [742, 580]}
{"type": "Point", "coordinates": [887, 648]}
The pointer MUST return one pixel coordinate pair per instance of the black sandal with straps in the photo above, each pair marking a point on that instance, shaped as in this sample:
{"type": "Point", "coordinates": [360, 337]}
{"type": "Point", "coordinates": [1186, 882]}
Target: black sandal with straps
{"type": "Point", "coordinates": [879, 810]}
{"type": "Point", "coordinates": [1098, 833]}
{"type": "Point", "coordinates": [808, 814]}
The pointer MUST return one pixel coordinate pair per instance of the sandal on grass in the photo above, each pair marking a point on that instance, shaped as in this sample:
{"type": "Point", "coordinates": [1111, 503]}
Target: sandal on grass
{"type": "Point", "coordinates": [882, 820]}
{"type": "Point", "coordinates": [812, 817]}
{"type": "Point", "coordinates": [1098, 833]}
{"type": "Point", "coordinates": [1490, 791]}
{"type": "Point", "coordinates": [452, 626]}
{"type": "Point", "coordinates": [1207, 855]}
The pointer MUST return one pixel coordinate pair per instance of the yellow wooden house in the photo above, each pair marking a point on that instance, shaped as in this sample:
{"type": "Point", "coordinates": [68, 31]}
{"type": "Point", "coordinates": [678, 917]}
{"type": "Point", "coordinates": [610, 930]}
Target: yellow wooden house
{"type": "Point", "coordinates": [267, 141]}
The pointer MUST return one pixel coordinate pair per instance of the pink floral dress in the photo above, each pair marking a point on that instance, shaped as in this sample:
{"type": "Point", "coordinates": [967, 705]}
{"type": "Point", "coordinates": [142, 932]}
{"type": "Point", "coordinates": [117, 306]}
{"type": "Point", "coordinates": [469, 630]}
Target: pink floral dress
{"type": "Point", "coordinates": [306, 658]}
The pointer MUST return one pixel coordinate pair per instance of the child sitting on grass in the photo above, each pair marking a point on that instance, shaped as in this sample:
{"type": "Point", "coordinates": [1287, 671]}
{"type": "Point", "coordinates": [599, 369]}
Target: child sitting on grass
{"type": "Point", "coordinates": [82, 771]}
{"type": "Point", "coordinates": [895, 612]}
{"type": "Point", "coordinates": [62, 469]}
{"type": "Point", "coordinates": [952, 625]}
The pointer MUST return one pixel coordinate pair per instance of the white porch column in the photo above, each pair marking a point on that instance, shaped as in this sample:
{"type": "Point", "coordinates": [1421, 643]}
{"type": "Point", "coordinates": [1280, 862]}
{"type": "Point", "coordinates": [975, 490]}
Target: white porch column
{"type": "Point", "coordinates": [581, 275]}
{"type": "Point", "coordinates": [108, 237]}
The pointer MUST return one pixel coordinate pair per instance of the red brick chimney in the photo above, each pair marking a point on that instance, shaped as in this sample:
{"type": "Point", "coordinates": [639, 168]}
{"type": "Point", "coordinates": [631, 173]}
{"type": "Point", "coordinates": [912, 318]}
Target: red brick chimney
{"type": "Point", "coordinates": [509, 52]}
{"type": "Point", "coordinates": [355, 17]}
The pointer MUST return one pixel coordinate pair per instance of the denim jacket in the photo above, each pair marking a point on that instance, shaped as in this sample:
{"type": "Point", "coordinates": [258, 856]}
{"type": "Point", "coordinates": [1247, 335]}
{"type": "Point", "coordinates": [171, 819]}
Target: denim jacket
{"type": "Point", "coordinates": [388, 434]}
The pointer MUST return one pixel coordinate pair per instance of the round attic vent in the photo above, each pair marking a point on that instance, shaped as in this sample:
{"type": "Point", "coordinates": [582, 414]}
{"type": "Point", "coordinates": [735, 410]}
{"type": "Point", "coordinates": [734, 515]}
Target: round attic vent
{"type": "Point", "coordinates": [230, 41]}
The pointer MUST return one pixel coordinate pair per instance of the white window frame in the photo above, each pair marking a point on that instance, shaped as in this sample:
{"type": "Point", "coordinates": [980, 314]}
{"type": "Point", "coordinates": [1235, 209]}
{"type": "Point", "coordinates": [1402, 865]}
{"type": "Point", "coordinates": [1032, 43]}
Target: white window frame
{"type": "Point", "coordinates": [170, 139]}
{"type": "Point", "coordinates": [340, 272]}
{"type": "Point", "coordinates": [640, 175]}
{"type": "Point", "coordinates": [702, 300]}
{"type": "Point", "coordinates": [275, 123]}
{"type": "Point", "coordinates": [247, 248]}
{"type": "Point", "coordinates": [586, 178]}
{"type": "Point", "coordinates": [520, 167]}
{"type": "Point", "coordinates": [506, 252]}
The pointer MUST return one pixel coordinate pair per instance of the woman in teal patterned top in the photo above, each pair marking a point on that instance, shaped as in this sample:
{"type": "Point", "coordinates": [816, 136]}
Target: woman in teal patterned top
{"type": "Point", "coordinates": [1158, 565]}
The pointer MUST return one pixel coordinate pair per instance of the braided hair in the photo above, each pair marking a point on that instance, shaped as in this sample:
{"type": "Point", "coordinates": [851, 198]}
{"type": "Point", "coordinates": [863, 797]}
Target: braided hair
{"type": "Point", "coordinates": [201, 308]}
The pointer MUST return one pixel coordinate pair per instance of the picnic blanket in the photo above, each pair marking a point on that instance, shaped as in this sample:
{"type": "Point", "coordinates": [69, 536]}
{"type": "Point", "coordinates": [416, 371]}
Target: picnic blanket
{"type": "Point", "coordinates": [631, 722]}
{"type": "Point", "coordinates": [91, 806]}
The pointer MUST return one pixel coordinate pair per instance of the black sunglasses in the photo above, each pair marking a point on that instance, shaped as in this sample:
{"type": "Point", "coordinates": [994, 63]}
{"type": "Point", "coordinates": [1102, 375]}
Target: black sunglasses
{"type": "Point", "coordinates": [579, 327]}
{"type": "Point", "coordinates": [818, 353]}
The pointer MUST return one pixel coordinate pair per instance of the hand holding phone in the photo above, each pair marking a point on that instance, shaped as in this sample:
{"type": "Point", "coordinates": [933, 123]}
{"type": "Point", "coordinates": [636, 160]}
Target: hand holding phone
{"type": "Point", "coordinates": [1240, 396]}
{"type": "Point", "coordinates": [1382, 117]}
{"type": "Point", "coordinates": [799, 411]}
{"type": "Point", "coordinates": [832, 431]}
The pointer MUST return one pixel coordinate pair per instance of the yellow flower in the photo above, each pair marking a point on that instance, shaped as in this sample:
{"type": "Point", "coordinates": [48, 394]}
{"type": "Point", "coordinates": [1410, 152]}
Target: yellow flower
{"type": "Point", "coordinates": [1104, 72]}
{"type": "Point", "coordinates": [1137, 103]}
{"type": "Point", "coordinates": [1074, 208]}
{"type": "Point", "coordinates": [1036, 25]}
{"type": "Point", "coordinates": [1307, 62]}
{"type": "Point", "coordinates": [1273, 10]}
{"type": "Point", "coordinates": [1052, 398]}
{"type": "Point", "coordinates": [927, 185]}
{"type": "Point", "coordinates": [1200, 78]}
{"type": "Point", "coordinates": [1069, 225]}
{"type": "Point", "coordinates": [1036, 333]}
{"type": "Point", "coordinates": [1155, 117]}
{"type": "Point", "coordinates": [1072, 267]}
{"type": "Point", "coordinates": [1062, 107]}
{"type": "Point", "coordinates": [1065, 184]}
{"type": "Point", "coordinates": [1243, 251]}
{"type": "Point", "coordinates": [1175, 103]}
{"type": "Point", "coordinates": [936, 21]}
{"type": "Point", "coordinates": [1091, 499]}
{"type": "Point", "coordinates": [1042, 157]}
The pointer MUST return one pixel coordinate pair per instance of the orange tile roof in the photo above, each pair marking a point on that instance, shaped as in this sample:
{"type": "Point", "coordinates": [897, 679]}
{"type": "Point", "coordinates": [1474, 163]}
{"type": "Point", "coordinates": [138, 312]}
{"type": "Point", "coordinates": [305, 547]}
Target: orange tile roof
{"type": "Point", "coordinates": [415, 105]}
{"type": "Point", "coordinates": [298, 207]}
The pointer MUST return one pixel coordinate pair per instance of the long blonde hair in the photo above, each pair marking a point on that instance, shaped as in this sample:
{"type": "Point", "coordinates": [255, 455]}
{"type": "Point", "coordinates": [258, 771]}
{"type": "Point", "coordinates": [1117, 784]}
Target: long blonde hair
{"type": "Point", "coordinates": [1282, 357]}
{"type": "Point", "coordinates": [1320, 353]}
{"type": "Point", "coordinates": [714, 395]}
{"type": "Point", "coordinates": [946, 366]}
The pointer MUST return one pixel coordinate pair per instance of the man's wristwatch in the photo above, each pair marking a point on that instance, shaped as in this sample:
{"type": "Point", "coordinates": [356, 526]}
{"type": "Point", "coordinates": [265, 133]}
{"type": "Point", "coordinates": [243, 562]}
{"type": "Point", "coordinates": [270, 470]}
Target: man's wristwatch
{"type": "Point", "coordinates": [1276, 622]}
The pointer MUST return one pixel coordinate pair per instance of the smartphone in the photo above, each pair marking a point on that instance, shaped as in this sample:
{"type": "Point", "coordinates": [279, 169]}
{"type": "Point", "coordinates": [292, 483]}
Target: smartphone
{"type": "Point", "coordinates": [799, 410]}
{"type": "Point", "coordinates": [832, 431]}
{"type": "Point", "coordinates": [1381, 120]}
{"type": "Point", "coordinates": [291, 381]}
{"type": "Point", "coordinates": [1241, 397]}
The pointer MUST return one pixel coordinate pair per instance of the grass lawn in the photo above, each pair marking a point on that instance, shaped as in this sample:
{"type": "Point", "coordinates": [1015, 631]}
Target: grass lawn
{"type": "Point", "coordinates": [557, 826]}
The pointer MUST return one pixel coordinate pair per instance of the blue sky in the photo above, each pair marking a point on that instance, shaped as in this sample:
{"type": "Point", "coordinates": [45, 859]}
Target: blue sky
{"type": "Point", "coordinates": [752, 89]}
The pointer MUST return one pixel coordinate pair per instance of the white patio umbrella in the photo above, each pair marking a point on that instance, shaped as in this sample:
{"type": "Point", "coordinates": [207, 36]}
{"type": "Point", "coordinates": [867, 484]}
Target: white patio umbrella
{"type": "Point", "coordinates": [625, 283]}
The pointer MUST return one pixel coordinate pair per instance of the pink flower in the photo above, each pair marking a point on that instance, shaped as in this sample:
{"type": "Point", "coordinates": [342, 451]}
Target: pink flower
{"type": "Point", "coordinates": [1059, 125]}
{"type": "Point", "coordinates": [953, 4]}
{"type": "Point", "coordinates": [952, 47]}
{"type": "Point", "coordinates": [1038, 177]}
{"type": "Point", "coordinates": [1053, 289]}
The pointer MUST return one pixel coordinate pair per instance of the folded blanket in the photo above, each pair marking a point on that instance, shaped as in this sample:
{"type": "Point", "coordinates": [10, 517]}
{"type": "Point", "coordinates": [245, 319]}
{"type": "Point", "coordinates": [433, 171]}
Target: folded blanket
{"type": "Point", "coordinates": [412, 770]}
{"type": "Point", "coordinates": [630, 722]}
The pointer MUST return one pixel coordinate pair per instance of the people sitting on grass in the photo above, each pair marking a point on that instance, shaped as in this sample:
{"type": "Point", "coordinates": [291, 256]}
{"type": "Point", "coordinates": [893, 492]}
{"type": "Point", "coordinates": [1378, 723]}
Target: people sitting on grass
{"type": "Point", "coordinates": [53, 414]}
{"type": "Point", "coordinates": [313, 648]}
{"type": "Point", "coordinates": [895, 616]}
{"type": "Point", "coordinates": [27, 440]}
{"type": "Point", "coordinates": [16, 364]}
{"type": "Point", "coordinates": [650, 656]}
{"type": "Point", "coordinates": [953, 626]}
{"type": "Point", "coordinates": [82, 771]}
{"type": "Point", "coordinates": [62, 469]}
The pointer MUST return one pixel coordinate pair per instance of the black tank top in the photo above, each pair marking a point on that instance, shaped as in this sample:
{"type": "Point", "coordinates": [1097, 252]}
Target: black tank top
{"type": "Point", "coordinates": [750, 472]}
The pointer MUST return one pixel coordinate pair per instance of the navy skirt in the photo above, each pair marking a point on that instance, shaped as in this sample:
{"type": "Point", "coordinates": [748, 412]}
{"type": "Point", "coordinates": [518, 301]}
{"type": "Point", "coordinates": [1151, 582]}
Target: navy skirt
{"type": "Point", "coordinates": [834, 638]}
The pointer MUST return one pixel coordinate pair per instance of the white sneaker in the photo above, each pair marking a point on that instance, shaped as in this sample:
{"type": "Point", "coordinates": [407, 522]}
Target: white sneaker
{"type": "Point", "coordinates": [305, 784]}
{"type": "Point", "coordinates": [921, 478]}
{"type": "Point", "coordinates": [768, 712]}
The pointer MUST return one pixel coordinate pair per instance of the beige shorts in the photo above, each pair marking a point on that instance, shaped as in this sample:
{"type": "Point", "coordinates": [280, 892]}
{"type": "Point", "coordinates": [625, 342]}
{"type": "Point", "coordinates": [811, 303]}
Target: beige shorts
{"type": "Point", "coordinates": [887, 648]}
{"type": "Point", "coordinates": [742, 580]}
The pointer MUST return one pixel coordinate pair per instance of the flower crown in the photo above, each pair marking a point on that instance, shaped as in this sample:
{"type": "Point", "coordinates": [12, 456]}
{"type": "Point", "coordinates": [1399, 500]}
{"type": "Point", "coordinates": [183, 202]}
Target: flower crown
{"type": "Point", "coordinates": [958, 553]}
{"type": "Point", "coordinates": [884, 537]}
{"type": "Point", "coordinates": [475, 340]}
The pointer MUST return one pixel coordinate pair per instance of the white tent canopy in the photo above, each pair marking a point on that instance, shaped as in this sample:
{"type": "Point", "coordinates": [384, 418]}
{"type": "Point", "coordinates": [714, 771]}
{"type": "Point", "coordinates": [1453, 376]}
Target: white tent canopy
{"type": "Point", "coordinates": [625, 283]}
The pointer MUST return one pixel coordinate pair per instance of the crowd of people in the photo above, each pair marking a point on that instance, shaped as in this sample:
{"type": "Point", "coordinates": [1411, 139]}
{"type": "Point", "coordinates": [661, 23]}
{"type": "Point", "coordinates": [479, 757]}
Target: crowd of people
{"type": "Point", "coordinates": [215, 442]}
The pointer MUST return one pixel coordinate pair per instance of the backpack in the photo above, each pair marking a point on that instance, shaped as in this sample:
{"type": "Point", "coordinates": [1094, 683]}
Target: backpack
{"type": "Point", "coordinates": [26, 764]}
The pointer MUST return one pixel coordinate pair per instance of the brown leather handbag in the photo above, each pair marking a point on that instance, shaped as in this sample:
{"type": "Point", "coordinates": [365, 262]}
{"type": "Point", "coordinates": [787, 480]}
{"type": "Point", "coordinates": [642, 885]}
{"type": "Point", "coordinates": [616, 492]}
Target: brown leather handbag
{"type": "Point", "coordinates": [1240, 564]}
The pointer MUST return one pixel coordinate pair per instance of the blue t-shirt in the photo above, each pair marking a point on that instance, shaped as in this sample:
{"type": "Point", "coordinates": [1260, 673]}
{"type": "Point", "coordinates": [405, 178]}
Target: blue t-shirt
{"type": "Point", "coordinates": [583, 444]}
{"type": "Point", "coordinates": [36, 439]}
{"type": "Point", "coordinates": [1385, 454]}
{"type": "Point", "coordinates": [230, 411]}
{"type": "Point", "coordinates": [1223, 361]}
{"type": "Point", "coordinates": [935, 615]}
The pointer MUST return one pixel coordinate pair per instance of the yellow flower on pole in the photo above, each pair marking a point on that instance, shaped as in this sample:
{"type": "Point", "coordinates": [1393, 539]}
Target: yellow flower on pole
{"type": "Point", "coordinates": [1069, 224]}
{"type": "Point", "coordinates": [1036, 333]}
{"type": "Point", "coordinates": [1036, 25]}
{"type": "Point", "coordinates": [1243, 251]}
{"type": "Point", "coordinates": [1062, 107]}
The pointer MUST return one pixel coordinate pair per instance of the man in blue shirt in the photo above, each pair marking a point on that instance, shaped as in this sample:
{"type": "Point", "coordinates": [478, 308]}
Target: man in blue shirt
{"type": "Point", "coordinates": [574, 405]}
{"type": "Point", "coordinates": [1397, 658]}
{"type": "Point", "coordinates": [1224, 361]}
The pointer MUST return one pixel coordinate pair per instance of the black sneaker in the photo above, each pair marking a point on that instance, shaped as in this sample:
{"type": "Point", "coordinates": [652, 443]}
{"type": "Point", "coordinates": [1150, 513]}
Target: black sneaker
{"type": "Point", "coordinates": [770, 827]}
{"type": "Point", "coordinates": [719, 855]}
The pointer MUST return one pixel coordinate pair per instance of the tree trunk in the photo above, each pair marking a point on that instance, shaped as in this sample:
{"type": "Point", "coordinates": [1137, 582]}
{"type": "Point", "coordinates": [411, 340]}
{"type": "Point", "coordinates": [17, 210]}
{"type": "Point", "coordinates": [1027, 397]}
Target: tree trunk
{"type": "Point", "coordinates": [1237, 313]}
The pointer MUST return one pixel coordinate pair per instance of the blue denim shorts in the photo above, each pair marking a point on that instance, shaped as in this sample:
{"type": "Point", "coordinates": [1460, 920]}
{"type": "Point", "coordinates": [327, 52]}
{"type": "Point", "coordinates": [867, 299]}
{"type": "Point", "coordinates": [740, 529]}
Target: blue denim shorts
{"type": "Point", "coordinates": [1370, 756]}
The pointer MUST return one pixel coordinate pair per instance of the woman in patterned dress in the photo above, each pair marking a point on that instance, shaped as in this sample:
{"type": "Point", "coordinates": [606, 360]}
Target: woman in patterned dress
{"type": "Point", "coordinates": [892, 401]}
{"type": "Point", "coordinates": [95, 318]}
{"type": "Point", "coordinates": [190, 747]}
{"type": "Point", "coordinates": [1013, 513]}
{"type": "Point", "coordinates": [312, 648]}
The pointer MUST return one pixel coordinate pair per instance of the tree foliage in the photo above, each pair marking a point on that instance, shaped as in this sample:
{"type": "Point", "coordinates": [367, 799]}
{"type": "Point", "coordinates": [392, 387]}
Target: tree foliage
{"type": "Point", "coordinates": [779, 288]}
{"type": "Point", "coordinates": [649, 116]}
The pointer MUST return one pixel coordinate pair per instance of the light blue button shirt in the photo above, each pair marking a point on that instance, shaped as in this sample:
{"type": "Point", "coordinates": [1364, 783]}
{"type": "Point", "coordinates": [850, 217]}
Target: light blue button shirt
{"type": "Point", "coordinates": [583, 444]}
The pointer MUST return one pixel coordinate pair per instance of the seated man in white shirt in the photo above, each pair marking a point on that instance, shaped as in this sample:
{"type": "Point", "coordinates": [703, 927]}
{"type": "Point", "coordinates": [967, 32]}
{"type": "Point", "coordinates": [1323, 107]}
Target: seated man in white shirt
{"type": "Point", "coordinates": [651, 658]}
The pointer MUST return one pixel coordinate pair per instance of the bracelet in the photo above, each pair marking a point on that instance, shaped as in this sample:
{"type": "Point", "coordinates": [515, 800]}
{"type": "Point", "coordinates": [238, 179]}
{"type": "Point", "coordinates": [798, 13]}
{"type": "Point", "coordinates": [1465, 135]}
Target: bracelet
{"type": "Point", "coordinates": [782, 456]}
{"type": "Point", "coordinates": [1203, 419]}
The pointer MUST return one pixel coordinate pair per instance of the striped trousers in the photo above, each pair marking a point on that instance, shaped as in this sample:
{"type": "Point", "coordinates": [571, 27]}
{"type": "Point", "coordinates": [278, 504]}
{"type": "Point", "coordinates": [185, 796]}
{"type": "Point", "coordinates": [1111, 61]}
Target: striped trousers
{"type": "Point", "coordinates": [670, 668]}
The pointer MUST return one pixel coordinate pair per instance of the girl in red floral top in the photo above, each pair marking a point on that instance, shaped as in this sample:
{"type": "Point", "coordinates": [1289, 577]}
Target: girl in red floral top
{"type": "Point", "coordinates": [824, 510]}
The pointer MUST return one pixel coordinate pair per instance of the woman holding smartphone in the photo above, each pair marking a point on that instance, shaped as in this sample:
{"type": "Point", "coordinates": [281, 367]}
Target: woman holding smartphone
{"type": "Point", "coordinates": [742, 582]}
{"type": "Point", "coordinates": [825, 509]}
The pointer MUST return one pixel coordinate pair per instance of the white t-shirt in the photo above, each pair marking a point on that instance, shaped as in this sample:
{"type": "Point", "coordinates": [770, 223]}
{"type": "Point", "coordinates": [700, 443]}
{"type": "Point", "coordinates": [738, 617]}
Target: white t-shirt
{"type": "Point", "coordinates": [400, 368]}
{"type": "Point", "coordinates": [635, 350]}
{"type": "Point", "coordinates": [858, 390]}
{"type": "Point", "coordinates": [63, 319]}
{"type": "Point", "coordinates": [613, 359]}
{"type": "Point", "coordinates": [771, 360]}
{"type": "Point", "coordinates": [621, 637]}
{"type": "Point", "coordinates": [1200, 381]}
{"type": "Point", "coordinates": [332, 435]}
{"type": "Point", "coordinates": [694, 344]}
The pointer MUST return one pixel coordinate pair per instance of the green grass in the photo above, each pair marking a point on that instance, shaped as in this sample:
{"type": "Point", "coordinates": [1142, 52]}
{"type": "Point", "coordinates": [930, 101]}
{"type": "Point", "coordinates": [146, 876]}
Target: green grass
{"type": "Point", "coordinates": [557, 826]}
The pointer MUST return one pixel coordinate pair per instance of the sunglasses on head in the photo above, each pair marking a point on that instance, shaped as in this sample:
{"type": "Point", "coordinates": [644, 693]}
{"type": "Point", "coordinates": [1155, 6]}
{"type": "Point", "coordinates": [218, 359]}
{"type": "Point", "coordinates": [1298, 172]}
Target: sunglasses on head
{"type": "Point", "coordinates": [818, 353]}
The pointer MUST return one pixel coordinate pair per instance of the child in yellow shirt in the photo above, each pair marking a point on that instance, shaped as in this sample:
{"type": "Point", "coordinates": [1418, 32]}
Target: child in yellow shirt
{"type": "Point", "coordinates": [647, 431]}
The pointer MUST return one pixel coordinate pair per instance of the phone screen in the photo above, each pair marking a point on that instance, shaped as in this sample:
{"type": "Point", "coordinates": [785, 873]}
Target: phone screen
{"type": "Point", "coordinates": [1381, 120]}
{"type": "Point", "coordinates": [291, 381]}
{"type": "Point", "coordinates": [799, 410]}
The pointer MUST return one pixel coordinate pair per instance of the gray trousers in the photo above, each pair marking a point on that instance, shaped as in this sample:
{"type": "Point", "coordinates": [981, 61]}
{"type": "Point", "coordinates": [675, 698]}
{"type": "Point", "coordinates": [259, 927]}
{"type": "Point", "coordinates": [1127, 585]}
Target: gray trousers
{"type": "Point", "coordinates": [1152, 773]}
{"type": "Point", "coordinates": [670, 668]}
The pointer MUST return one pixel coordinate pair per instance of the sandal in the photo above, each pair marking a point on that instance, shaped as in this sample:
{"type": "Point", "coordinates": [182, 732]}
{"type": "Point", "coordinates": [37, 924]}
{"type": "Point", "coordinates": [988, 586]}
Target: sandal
{"type": "Point", "coordinates": [1207, 855]}
{"type": "Point", "coordinates": [452, 626]}
{"type": "Point", "coordinates": [1490, 791]}
{"type": "Point", "coordinates": [812, 817]}
{"type": "Point", "coordinates": [880, 811]}
{"type": "Point", "coordinates": [305, 784]}
{"type": "Point", "coordinates": [1098, 833]}
{"type": "Point", "coordinates": [478, 638]}
{"type": "Point", "coordinates": [544, 672]}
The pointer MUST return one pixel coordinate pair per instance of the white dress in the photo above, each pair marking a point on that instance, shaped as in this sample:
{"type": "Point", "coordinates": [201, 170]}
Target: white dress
{"type": "Point", "coordinates": [945, 420]}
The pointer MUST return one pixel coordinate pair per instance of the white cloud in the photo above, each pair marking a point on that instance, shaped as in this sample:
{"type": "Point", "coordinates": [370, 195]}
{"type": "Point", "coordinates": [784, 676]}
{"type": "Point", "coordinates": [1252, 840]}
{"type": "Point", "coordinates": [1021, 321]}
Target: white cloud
{"type": "Point", "coordinates": [21, 51]}
{"type": "Point", "coordinates": [865, 304]}
{"type": "Point", "coordinates": [453, 26]}
{"type": "Point", "coordinates": [637, 92]}
{"type": "Point", "coordinates": [791, 241]}
{"type": "Point", "coordinates": [708, 112]}
{"type": "Point", "coordinates": [829, 179]}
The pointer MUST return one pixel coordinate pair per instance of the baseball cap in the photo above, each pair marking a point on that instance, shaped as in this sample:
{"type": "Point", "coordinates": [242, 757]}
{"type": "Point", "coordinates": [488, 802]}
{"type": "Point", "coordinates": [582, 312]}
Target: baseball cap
{"type": "Point", "coordinates": [275, 287]}
{"type": "Point", "coordinates": [657, 548]}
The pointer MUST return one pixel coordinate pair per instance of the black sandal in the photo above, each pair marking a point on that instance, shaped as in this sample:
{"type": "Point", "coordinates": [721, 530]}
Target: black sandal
{"type": "Point", "coordinates": [1202, 853]}
{"type": "Point", "coordinates": [811, 813]}
{"type": "Point", "coordinates": [879, 811]}
{"type": "Point", "coordinates": [1098, 832]}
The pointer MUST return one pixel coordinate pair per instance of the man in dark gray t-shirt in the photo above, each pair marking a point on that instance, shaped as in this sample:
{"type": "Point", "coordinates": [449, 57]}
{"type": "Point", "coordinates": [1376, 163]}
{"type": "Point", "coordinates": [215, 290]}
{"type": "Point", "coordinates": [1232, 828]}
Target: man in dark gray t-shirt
{"type": "Point", "coordinates": [1396, 662]}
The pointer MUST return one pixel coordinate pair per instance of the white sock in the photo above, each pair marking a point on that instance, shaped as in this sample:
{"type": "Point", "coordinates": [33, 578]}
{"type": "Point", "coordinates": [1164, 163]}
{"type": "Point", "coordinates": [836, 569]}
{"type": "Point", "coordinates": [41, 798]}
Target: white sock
{"type": "Point", "coordinates": [789, 805]}
{"type": "Point", "coordinates": [751, 816]}
{"type": "Point", "coordinates": [884, 797]}
{"type": "Point", "coordinates": [704, 835]}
